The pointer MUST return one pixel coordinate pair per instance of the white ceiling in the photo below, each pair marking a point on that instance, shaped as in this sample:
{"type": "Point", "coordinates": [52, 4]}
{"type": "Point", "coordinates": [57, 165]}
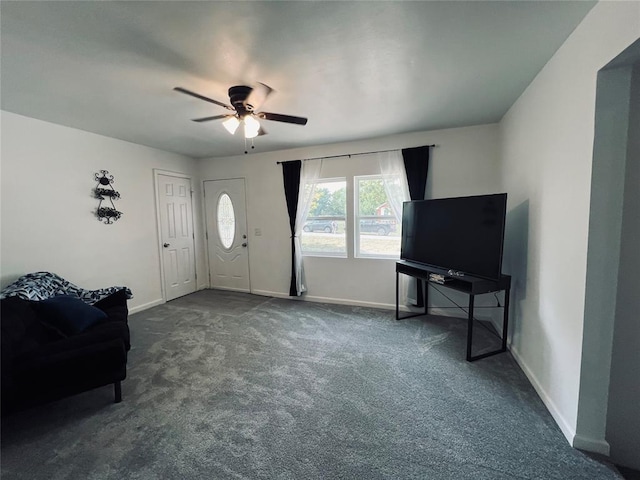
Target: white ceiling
{"type": "Point", "coordinates": [357, 70]}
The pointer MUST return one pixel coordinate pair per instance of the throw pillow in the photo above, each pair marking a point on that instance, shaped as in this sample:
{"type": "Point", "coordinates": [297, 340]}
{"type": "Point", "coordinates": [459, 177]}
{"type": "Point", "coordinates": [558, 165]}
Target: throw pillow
{"type": "Point", "coordinates": [68, 314]}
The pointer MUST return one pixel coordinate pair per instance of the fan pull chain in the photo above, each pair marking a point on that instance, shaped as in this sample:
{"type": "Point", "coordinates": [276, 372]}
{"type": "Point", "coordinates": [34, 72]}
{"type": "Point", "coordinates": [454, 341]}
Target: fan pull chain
{"type": "Point", "coordinates": [245, 145]}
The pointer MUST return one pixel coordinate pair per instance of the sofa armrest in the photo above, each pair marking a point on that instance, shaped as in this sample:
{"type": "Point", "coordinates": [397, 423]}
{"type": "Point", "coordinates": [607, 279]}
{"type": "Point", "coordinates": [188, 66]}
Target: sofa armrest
{"type": "Point", "coordinates": [115, 306]}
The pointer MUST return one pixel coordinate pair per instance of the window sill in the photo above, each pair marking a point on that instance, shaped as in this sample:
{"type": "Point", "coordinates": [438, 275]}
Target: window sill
{"type": "Point", "coordinates": [324, 255]}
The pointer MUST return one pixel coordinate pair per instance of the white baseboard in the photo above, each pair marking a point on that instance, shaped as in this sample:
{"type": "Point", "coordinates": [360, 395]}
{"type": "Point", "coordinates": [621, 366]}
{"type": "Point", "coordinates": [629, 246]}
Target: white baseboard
{"type": "Point", "coordinates": [581, 442]}
{"type": "Point", "coordinates": [341, 301]}
{"type": "Point", "coordinates": [146, 306]}
{"type": "Point", "coordinates": [267, 293]}
{"type": "Point", "coordinates": [227, 289]}
{"type": "Point", "coordinates": [567, 430]}
{"type": "Point", "coordinates": [359, 303]}
{"type": "Point", "coordinates": [444, 312]}
{"type": "Point", "coordinates": [335, 301]}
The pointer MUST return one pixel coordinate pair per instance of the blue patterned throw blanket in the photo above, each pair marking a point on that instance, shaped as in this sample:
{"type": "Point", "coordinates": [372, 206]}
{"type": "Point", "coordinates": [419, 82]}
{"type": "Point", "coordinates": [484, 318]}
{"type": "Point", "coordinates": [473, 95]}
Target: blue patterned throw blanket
{"type": "Point", "coordinates": [43, 285]}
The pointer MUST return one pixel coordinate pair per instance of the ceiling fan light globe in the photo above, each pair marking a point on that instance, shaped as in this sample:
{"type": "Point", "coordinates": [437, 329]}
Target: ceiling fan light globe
{"type": "Point", "coordinates": [251, 127]}
{"type": "Point", "coordinates": [249, 133]}
{"type": "Point", "coordinates": [231, 124]}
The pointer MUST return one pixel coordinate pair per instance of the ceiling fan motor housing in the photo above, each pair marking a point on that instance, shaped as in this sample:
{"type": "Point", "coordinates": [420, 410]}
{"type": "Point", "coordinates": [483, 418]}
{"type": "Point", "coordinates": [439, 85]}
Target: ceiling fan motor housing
{"type": "Point", "coordinates": [238, 95]}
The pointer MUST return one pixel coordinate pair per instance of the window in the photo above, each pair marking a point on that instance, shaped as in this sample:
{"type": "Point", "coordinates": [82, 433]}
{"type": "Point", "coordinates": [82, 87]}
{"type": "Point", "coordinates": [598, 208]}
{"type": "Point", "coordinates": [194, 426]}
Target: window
{"type": "Point", "coordinates": [324, 232]}
{"type": "Point", "coordinates": [377, 229]}
{"type": "Point", "coordinates": [226, 221]}
{"type": "Point", "coordinates": [353, 207]}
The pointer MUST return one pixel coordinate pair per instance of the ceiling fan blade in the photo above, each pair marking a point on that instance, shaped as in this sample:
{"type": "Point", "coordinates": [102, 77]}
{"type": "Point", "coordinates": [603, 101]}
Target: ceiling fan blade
{"type": "Point", "coordinates": [257, 97]}
{"type": "Point", "coordinates": [278, 117]}
{"type": "Point", "coordinates": [202, 97]}
{"type": "Point", "coordinates": [207, 119]}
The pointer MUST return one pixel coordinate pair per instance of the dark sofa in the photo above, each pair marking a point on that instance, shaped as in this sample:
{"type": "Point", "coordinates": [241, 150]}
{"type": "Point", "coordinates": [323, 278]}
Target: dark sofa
{"type": "Point", "coordinates": [61, 346]}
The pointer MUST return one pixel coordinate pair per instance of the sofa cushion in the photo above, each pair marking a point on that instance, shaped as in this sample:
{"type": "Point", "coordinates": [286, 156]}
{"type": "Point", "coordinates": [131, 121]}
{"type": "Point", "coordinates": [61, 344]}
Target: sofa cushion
{"type": "Point", "coordinates": [68, 314]}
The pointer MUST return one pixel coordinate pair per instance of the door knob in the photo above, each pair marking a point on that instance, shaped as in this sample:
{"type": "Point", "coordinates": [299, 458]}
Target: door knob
{"type": "Point", "coordinates": [166, 245]}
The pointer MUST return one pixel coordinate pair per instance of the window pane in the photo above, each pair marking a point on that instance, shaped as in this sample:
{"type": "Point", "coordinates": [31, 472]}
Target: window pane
{"type": "Point", "coordinates": [377, 228]}
{"type": "Point", "coordinates": [226, 221]}
{"type": "Point", "coordinates": [324, 231]}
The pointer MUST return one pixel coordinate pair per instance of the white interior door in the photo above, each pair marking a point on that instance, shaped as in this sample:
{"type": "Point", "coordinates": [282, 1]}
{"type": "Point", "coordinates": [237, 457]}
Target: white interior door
{"type": "Point", "coordinates": [176, 235]}
{"type": "Point", "coordinates": [227, 241]}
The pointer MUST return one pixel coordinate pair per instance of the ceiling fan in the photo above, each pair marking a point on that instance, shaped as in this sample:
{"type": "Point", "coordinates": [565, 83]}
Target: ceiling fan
{"type": "Point", "coordinates": [244, 103]}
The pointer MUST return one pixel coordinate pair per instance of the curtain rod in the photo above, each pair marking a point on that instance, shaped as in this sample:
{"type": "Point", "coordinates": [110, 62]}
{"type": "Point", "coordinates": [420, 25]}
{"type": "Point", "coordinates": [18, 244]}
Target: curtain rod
{"type": "Point", "coordinates": [354, 154]}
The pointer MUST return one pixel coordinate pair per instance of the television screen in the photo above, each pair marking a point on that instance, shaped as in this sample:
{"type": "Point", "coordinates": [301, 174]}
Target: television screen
{"type": "Point", "coordinates": [465, 234]}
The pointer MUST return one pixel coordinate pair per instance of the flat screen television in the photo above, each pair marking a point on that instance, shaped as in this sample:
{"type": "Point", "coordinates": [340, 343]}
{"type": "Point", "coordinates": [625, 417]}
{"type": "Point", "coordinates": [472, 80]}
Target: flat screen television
{"type": "Point", "coordinates": [465, 234]}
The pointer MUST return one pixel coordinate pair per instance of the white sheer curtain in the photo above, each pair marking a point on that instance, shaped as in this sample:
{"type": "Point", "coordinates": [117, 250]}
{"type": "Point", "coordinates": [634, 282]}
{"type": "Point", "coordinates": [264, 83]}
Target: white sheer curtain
{"type": "Point", "coordinates": [309, 175]}
{"type": "Point", "coordinates": [394, 178]}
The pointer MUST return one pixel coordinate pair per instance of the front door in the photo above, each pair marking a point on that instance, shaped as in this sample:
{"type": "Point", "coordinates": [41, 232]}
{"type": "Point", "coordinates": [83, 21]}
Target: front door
{"type": "Point", "coordinates": [176, 235]}
{"type": "Point", "coordinates": [227, 234]}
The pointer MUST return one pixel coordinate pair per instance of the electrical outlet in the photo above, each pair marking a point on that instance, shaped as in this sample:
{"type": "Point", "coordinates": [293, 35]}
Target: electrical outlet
{"type": "Point", "coordinates": [257, 232]}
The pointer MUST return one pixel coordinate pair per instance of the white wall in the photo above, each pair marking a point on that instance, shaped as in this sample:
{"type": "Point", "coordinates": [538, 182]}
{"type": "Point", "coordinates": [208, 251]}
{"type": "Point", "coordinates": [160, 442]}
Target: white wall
{"type": "Point", "coordinates": [547, 142]}
{"type": "Point", "coordinates": [48, 220]}
{"type": "Point", "coordinates": [465, 162]}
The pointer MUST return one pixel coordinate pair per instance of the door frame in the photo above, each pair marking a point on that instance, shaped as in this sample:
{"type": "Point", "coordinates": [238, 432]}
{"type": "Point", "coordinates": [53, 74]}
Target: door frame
{"type": "Point", "coordinates": [169, 173]}
{"type": "Point", "coordinates": [206, 232]}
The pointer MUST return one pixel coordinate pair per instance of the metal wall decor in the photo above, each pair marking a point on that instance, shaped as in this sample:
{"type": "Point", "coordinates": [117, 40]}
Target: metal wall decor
{"type": "Point", "coordinates": [105, 190]}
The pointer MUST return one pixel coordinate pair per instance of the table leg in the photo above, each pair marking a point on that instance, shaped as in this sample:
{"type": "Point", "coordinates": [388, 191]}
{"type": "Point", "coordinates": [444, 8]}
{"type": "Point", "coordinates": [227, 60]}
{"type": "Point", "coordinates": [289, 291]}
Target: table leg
{"type": "Point", "coordinates": [470, 327]}
{"type": "Point", "coordinates": [505, 319]}
{"type": "Point", "coordinates": [397, 299]}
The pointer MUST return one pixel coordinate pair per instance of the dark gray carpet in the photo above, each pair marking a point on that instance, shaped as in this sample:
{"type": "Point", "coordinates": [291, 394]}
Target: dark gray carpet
{"type": "Point", "coordinates": [227, 385]}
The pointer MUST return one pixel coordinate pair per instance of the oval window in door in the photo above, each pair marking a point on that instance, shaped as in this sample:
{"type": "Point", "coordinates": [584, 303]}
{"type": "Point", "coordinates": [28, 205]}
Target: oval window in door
{"type": "Point", "coordinates": [226, 221]}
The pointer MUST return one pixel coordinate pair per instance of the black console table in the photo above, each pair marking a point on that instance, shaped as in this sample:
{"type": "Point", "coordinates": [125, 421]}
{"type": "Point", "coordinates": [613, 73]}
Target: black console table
{"type": "Point", "coordinates": [467, 284]}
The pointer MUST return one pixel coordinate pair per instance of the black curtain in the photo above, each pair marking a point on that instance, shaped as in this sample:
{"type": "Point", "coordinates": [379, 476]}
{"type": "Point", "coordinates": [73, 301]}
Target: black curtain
{"type": "Point", "coordinates": [291, 175]}
{"type": "Point", "coordinates": [416, 164]}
